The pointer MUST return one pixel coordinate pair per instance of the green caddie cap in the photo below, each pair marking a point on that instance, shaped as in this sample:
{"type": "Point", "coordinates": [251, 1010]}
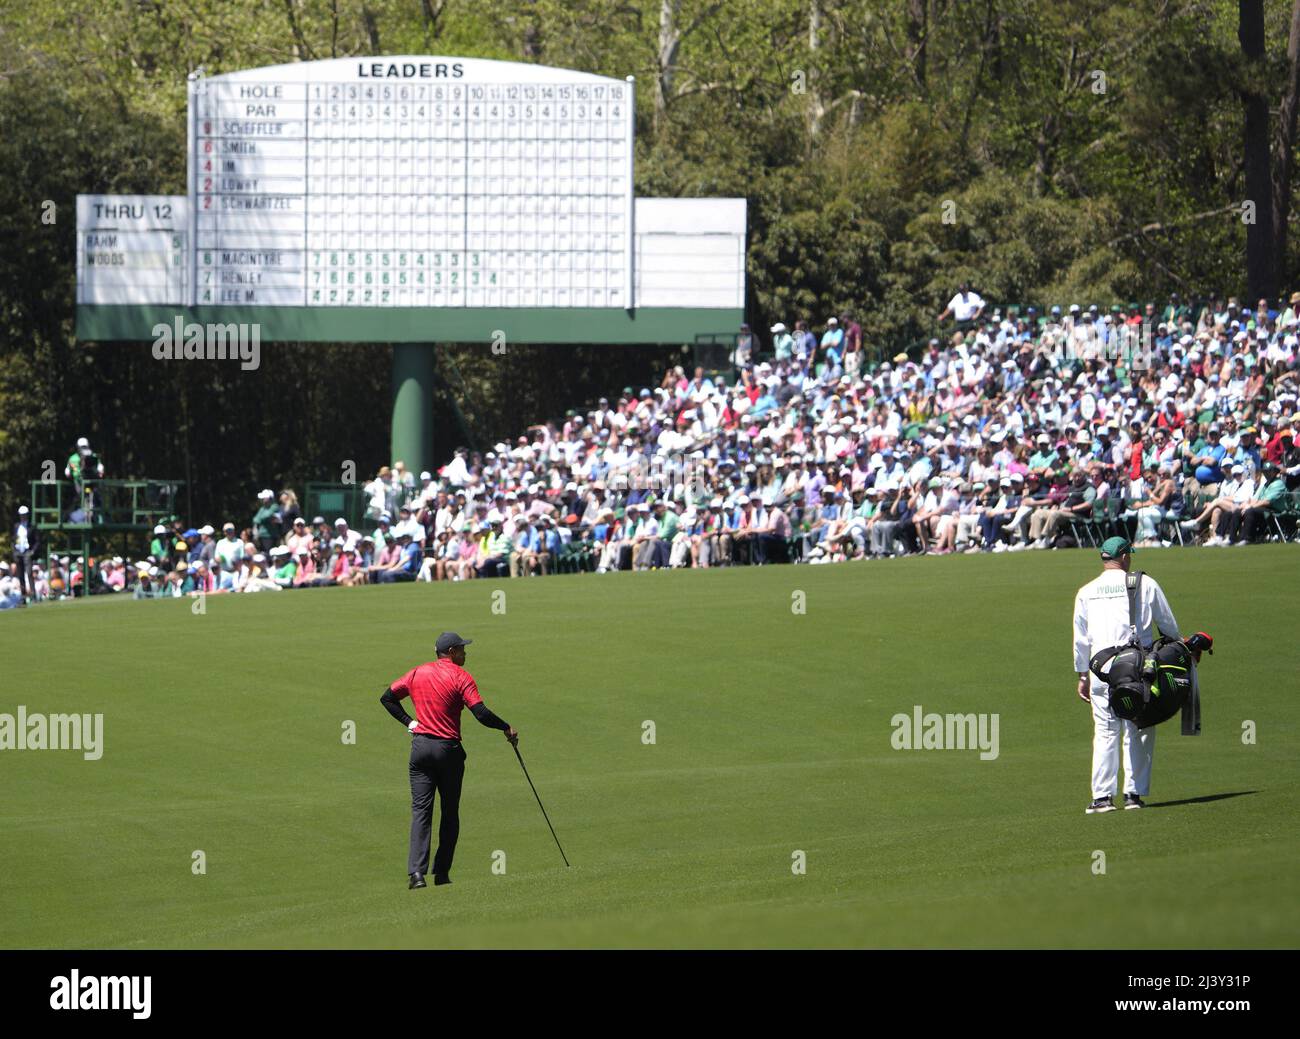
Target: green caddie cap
{"type": "Point", "coordinates": [1113, 548]}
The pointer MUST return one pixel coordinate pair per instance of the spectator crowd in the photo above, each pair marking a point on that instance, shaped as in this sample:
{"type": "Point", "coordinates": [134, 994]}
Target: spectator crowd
{"type": "Point", "coordinates": [1017, 431]}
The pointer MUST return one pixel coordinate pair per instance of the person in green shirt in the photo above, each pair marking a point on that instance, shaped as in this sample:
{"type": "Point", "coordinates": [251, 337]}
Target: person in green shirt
{"type": "Point", "coordinates": [1045, 456]}
{"type": "Point", "coordinates": [161, 545]}
{"type": "Point", "coordinates": [497, 547]}
{"type": "Point", "coordinates": [266, 521]}
{"type": "Point", "coordinates": [284, 568]}
{"type": "Point", "coordinates": [1246, 521]}
{"type": "Point", "coordinates": [84, 465]}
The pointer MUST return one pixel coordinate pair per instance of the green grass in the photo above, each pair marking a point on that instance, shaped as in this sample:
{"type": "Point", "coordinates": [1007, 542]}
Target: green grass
{"type": "Point", "coordinates": [222, 733]}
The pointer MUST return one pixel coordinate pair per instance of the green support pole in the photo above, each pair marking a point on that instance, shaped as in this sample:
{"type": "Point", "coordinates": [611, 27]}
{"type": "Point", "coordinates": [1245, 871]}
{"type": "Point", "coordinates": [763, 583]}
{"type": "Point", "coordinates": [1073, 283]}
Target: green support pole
{"type": "Point", "coordinates": [412, 429]}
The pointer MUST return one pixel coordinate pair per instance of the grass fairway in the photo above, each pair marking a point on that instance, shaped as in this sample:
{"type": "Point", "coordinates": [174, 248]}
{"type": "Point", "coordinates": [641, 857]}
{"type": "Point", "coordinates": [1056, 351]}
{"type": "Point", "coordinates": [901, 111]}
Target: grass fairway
{"type": "Point", "coordinates": [222, 733]}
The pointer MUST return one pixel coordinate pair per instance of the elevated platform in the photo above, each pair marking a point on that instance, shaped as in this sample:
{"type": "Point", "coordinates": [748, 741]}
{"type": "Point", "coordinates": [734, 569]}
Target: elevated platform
{"type": "Point", "coordinates": [107, 505]}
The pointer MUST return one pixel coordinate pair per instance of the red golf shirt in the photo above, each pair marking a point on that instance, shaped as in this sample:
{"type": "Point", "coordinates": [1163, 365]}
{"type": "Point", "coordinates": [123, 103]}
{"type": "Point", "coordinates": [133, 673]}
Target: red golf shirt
{"type": "Point", "coordinates": [440, 691]}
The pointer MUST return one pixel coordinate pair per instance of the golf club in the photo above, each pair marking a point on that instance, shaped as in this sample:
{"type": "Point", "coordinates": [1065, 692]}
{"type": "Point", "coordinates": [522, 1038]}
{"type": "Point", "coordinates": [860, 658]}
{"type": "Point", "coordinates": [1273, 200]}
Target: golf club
{"type": "Point", "coordinates": [539, 801]}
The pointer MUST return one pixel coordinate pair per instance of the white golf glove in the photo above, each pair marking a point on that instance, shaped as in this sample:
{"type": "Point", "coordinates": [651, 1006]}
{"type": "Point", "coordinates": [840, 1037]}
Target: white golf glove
{"type": "Point", "coordinates": [414, 723]}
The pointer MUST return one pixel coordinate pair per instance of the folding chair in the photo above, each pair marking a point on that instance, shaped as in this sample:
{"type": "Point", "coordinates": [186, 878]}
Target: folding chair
{"type": "Point", "coordinates": [1091, 526]}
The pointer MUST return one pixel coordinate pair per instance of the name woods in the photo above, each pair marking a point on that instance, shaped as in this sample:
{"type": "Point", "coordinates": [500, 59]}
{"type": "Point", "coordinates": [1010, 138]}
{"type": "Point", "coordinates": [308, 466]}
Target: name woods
{"type": "Point", "coordinates": [83, 732]}
{"type": "Point", "coordinates": [190, 341]}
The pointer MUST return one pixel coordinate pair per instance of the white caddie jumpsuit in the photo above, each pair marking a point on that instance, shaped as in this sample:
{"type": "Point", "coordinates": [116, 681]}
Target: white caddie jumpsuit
{"type": "Point", "coordinates": [1101, 620]}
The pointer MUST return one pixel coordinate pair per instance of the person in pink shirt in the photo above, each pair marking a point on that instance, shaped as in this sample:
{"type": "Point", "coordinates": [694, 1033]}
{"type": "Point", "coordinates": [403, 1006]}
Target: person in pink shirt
{"type": "Point", "coordinates": [300, 539]}
{"type": "Point", "coordinates": [385, 558]}
{"type": "Point", "coordinates": [468, 556]}
{"type": "Point", "coordinates": [305, 575]}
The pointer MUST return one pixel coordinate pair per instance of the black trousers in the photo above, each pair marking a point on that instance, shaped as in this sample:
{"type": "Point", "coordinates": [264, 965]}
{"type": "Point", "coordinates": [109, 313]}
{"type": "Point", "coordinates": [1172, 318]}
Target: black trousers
{"type": "Point", "coordinates": [23, 564]}
{"type": "Point", "coordinates": [436, 764]}
{"type": "Point", "coordinates": [1247, 522]}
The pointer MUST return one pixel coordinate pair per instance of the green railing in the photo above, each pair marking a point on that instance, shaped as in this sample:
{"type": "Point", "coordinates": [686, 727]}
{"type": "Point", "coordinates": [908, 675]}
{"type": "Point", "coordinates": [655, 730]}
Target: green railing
{"type": "Point", "coordinates": [123, 505]}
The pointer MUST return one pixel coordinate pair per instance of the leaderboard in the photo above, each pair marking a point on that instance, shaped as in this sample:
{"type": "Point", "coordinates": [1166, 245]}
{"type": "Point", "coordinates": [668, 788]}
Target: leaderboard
{"type": "Point", "coordinates": [133, 249]}
{"type": "Point", "coordinates": [411, 182]}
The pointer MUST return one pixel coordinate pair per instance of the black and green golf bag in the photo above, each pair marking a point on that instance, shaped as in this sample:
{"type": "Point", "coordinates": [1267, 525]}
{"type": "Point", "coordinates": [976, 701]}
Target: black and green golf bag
{"type": "Point", "coordinates": [1149, 686]}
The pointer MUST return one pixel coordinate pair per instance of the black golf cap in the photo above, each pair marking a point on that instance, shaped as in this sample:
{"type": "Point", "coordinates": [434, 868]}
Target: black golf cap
{"type": "Point", "coordinates": [449, 640]}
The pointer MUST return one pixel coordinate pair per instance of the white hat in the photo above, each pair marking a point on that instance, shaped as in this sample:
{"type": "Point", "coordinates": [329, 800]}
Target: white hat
{"type": "Point", "coordinates": [340, 522]}
{"type": "Point", "coordinates": [426, 475]}
{"type": "Point", "coordinates": [832, 321]}
{"type": "Point", "coordinates": [779, 327]}
{"type": "Point", "coordinates": [266, 493]}
{"type": "Point", "coordinates": [160, 529]}
{"type": "Point", "coordinates": [22, 510]}
{"type": "Point", "coordinates": [280, 550]}
{"type": "Point", "coordinates": [81, 442]}
{"type": "Point", "coordinates": [206, 529]}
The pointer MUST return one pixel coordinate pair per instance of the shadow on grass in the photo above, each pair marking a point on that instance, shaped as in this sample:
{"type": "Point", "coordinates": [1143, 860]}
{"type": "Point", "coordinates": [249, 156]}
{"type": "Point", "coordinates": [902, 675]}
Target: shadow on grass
{"type": "Point", "coordinates": [1199, 800]}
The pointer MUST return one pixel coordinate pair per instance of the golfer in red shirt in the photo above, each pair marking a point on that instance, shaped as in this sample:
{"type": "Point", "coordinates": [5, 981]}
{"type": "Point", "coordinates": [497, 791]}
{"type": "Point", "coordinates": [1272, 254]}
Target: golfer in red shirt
{"type": "Point", "coordinates": [439, 690]}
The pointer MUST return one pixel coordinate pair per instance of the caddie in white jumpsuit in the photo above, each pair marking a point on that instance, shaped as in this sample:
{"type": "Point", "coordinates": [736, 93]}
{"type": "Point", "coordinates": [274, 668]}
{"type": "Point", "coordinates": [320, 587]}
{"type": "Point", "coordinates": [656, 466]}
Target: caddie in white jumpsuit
{"type": "Point", "coordinates": [1101, 621]}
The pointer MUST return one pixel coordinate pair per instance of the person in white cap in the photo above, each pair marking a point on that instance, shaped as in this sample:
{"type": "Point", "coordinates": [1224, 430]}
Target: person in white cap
{"type": "Point", "coordinates": [266, 521]}
{"type": "Point", "coordinates": [24, 542]}
{"type": "Point", "coordinates": [351, 538]}
{"type": "Point", "coordinates": [84, 465]}
{"type": "Point", "coordinates": [782, 342]}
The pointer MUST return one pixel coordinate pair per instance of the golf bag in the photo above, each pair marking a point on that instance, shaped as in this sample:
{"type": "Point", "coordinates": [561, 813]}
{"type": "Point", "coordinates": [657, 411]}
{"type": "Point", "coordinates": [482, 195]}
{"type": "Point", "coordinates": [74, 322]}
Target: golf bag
{"type": "Point", "coordinates": [1149, 686]}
